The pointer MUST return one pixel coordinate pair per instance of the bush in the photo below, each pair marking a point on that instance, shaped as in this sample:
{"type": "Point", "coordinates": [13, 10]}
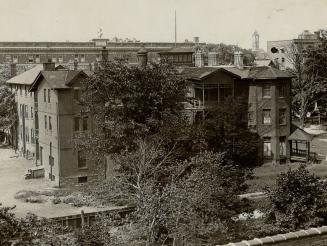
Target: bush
{"type": "Point", "coordinates": [298, 200]}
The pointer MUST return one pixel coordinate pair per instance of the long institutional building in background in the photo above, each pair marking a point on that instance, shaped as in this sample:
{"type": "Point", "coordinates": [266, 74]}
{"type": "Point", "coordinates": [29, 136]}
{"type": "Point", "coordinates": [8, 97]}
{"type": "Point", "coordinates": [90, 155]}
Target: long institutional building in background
{"type": "Point", "coordinates": [85, 53]}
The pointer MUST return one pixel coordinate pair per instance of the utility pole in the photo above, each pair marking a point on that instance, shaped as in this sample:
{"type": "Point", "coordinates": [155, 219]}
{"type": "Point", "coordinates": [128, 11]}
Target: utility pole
{"type": "Point", "coordinates": [175, 29]}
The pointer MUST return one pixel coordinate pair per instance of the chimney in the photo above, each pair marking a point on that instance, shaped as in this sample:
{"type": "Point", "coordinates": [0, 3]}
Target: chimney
{"type": "Point", "coordinates": [199, 59]}
{"type": "Point", "coordinates": [196, 40]}
{"type": "Point", "coordinates": [238, 59]}
{"type": "Point", "coordinates": [142, 57]}
{"type": "Point", "coordinates": [213, 58]}
{"type": "Point", "coordinates": [75, 65]}
{"type": "Point", "coordinates": [49, 66]}
{"type": "Point", "coordinates": [13, 70]}
{"type": "Point", "coordinates": [104, 54]}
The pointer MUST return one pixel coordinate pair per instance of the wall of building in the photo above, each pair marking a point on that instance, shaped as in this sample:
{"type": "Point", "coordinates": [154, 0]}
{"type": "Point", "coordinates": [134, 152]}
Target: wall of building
{"type": "Point", "coordinates": [48, 139]}
{"type": "Point", "coordinates": [257, 103]}
{"type": "Point", "coordinates": [25, 110]}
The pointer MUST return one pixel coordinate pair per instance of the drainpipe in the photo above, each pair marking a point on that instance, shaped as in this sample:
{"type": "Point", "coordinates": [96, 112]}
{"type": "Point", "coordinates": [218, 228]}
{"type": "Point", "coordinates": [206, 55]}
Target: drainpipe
{"type": "Point", "coordinates": [58, 137]}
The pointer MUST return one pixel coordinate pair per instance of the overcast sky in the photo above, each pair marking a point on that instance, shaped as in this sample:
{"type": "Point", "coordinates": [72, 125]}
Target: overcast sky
{"type": "Point", "coordinates": [228, 21]}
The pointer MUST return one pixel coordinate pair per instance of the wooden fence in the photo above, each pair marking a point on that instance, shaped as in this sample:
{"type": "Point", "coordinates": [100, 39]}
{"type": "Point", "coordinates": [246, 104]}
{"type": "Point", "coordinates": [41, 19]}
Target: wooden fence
{"type": "Point", "coordinates": [78, 220]}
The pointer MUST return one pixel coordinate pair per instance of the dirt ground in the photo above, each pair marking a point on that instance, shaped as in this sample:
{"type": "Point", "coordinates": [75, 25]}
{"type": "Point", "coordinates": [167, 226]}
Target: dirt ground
{"type": "Point", "coordinates": [12, 170]}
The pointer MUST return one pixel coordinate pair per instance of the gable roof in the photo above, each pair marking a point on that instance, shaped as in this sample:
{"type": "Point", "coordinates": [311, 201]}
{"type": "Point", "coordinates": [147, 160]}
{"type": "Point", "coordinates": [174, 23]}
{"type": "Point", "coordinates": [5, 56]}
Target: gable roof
{"type": "Point", "coordinates": [26, 78]}
{"type": "Point", "coordinates": [298, 134]}
{"type": "Point", "coordinates": [61, 79]}
{"type": "Point", "coordinates": [264, 72]}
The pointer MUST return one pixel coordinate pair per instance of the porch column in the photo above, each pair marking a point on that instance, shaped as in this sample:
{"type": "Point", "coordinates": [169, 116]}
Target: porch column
{"type": "Point", "coordinates": [308, 150]}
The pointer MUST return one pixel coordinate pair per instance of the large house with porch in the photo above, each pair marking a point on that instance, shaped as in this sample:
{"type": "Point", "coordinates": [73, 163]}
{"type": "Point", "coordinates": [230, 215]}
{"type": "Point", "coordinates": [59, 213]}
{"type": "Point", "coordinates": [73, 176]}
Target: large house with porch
{"type": "Point", "coordinates": [267, 91]}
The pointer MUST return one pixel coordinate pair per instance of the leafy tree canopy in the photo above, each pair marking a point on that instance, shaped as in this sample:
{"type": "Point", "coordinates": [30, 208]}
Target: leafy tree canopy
{"type": "Point", "coordinates": [129, 103]}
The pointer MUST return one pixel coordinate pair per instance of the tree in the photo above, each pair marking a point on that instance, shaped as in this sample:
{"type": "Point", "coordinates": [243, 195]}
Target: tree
{"type": "Point", "coordinates": [185, 201]}
{"type": "Point", "coordinates": [298, 200]}
{"type": "Point", "coordinates": [129, 103]}
{"type": "Point", "coordinates": [227, 130]}
{"type": "Point", "coordinates": [8, 109]}
{"type": "Point", "coordinates": [30, 230]}
{"type": "Point", "coordinates": [309, 70]}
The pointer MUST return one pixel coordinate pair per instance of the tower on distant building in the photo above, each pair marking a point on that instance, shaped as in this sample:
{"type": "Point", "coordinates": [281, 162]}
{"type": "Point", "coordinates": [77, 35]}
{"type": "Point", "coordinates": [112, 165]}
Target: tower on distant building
{"type": "Point", "coordinates": [255, 40]}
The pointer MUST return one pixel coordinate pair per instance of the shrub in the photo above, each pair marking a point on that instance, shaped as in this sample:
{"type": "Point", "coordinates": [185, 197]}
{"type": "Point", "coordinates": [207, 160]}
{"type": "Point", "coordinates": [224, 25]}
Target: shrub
{"type": "Point", "coordinates": [298, 200]}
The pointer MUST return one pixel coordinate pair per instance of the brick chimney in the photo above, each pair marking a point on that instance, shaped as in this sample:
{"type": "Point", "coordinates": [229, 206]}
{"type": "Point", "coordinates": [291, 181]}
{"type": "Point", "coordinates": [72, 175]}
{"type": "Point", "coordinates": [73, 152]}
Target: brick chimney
{"type": "Point", "coordinates": [142, 57]}
{"type": "Point", "coordinates": [13, 70]}
{"type": "Point", "coordinates": [49, 65]}
{"type": "Point", "coordinates": [238, 59]}
{"type": "Point", "coordinates": [212, 58]}
{"type": "Point", "coordinates": [75, 65]}
{"type": "Point", "coordinates": [199, 59]}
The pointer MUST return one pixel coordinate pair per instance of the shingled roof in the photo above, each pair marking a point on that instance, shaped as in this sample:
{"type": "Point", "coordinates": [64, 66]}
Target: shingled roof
{"type": "Point", "coordinates": [60, 79]}
{"type": "Point", "coordinates": [258, 73]}
{"type": "Point", "coordinates": [26, 78]}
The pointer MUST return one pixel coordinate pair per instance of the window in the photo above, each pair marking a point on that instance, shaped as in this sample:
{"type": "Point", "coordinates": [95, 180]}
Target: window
{"type": "Point", "coordinates": [61, 59]}
{"type": "Point", "coordinates": [15, 59]}
{"type": "Point", "coordinates": [48, 95]}
{"type": "Point", "coordinates": [251, 118]}
{"type": "Point", "coordinates": [8, 58]}
{"type": "Point", "coordinates": [282, 90]}
{"type": "Point", "coordinates": [50, 124]}
{"type": "Point", "coordinates": [267, 147]}
{"type": "Point", "coordinates": [45, 95]}
{"type": "Point", "coordinates": [30, 59]}
{"type": "Point", "coordinates": [282, 116]}
{"type": "Point", "coordinates": [45, 122]}
{"type": "Point", "coordinates": [283, 59]}
{"type": "Point", "coordinates": [54, 59]}
{"type": "Point", "coordinates": [26, 111]}
{"type": "Point", "coordinates": [282, 146]}
{"type": "Point", "coordinates": [25, 90]}
{"type": "Point", "coordinates": [76, 124]}
{"type": "Point", "coordinates": [26, 134]}
{"type": "Point", "coordinates": [76, 57]}
{"type": "Point", "coordinates": [82, 58]}
{"type": "Point", "coordinates": [31, 112]}
{"type": "Point", "coordinates": [266, 114]}
{"type": "Point", "coordinates": [20, 89]}
{"type": "Point", "coordinates": [266, 91]}
{"type": "Point", "coordinates": [81, 159]}
{"type": "Point", "coordinates": [76, 94]}
{"type": "Point", "coordinates": [37, 58]}
{"type": "Point", "coordinates": [85, 121]}
{"type": "Point", "coordinates": [32, 136]}
{"type": "Point", "coordinates": [82, 179]}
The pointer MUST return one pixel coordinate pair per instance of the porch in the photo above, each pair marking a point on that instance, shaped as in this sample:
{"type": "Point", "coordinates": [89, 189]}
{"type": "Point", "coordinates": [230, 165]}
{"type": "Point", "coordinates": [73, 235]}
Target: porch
{"type": "Point", "coordinates": [300, 144]}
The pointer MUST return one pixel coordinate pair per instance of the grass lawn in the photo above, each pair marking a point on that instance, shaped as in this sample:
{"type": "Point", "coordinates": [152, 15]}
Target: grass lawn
{"type": "Point", "coordinates": [267, 173]}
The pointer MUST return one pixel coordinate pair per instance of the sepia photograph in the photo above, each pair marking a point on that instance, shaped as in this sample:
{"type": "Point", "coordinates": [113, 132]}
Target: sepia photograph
{"type": "Point", "coordinates": [163, 123]}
